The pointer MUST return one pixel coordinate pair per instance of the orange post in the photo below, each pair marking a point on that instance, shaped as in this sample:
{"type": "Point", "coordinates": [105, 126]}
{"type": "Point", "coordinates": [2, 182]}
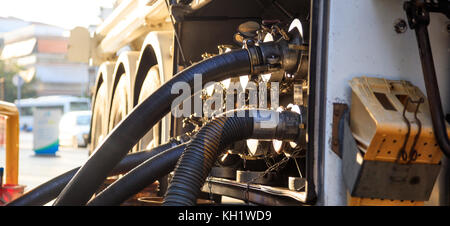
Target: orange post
{"type": "Point", "coordinates": [11, 142]}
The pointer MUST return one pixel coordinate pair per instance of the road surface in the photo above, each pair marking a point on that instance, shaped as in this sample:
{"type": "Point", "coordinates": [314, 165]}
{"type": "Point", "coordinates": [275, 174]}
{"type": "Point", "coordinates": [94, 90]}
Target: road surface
{"type": "Point", "coordinates": [35, 170]}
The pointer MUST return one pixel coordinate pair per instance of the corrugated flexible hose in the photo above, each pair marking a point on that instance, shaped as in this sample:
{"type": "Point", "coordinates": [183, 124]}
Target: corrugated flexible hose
{"type": "Point", "coordinates": [200, 155]}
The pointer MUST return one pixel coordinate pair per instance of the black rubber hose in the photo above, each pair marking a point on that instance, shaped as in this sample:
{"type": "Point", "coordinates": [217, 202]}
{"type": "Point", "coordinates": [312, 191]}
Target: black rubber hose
{"type": "Point", "coordinates": [48, 191]}
{"type": "Point", "coordinates": [143, 117]}
{"type": "Point", "coordinates": [200, 155]}
{"type": "Point", "coordinates": [139, 178]}
{"type": "Point", "coordinates": [432, 88]}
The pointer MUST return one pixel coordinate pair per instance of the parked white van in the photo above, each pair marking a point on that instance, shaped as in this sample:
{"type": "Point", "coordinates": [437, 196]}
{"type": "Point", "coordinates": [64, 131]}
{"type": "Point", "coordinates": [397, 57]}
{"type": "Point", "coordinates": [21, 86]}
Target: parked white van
{"type": "Point", "coordinates": [63, 103]}
{"type": "Point", "coordinates": [73, 127]}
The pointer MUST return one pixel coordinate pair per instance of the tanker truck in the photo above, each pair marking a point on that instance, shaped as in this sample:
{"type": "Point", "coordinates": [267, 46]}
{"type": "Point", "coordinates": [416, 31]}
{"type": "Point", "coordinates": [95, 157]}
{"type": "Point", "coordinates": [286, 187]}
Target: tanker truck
{"type": "Point", "coordinates": [266, 102]}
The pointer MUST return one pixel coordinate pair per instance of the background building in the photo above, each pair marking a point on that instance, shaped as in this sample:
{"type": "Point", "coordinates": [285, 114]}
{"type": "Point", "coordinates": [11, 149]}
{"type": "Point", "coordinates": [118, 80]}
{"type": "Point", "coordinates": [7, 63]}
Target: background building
{"type": "Point", "coordinates": [40, 51]}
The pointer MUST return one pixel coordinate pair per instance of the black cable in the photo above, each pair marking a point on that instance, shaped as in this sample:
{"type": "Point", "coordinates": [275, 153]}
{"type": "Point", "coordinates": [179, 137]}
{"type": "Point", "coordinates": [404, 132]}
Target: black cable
{"type": "Point", "coordinates": [175, 31]}
{"type": "Point", "coordinates": [282, 9]}
{"type": "Point", "coordinates": [419, 19]}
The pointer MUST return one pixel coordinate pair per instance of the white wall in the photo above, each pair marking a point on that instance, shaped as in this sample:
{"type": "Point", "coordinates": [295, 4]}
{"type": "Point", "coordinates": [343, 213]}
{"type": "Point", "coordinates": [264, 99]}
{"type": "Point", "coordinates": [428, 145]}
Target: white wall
{"type": "Point", "coordinates": [362, 41]}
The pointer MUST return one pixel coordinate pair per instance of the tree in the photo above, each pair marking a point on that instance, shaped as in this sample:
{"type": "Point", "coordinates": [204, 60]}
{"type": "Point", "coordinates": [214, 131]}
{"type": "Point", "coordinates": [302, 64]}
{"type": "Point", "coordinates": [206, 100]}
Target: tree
{"type": "Point", "coordinates": [9, 90]}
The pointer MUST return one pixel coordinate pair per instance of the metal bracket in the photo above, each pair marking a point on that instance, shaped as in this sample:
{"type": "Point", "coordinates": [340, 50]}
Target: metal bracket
{"type": "Point", "coordinates": [254, 193]}
{"type": "Point", "coordinates": [413, 153]}
{"type": "Point", "coordinates": [383, 180]}
{"type": "Point", "coordinates": [338, 110]}
{"type": "Point", "coordinates": [418, 11]}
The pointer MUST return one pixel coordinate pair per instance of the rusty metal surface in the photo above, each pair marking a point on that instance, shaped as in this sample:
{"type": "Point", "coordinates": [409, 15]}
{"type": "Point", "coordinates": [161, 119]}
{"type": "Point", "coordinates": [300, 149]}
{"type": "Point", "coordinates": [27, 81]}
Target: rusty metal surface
{"type": "Point", "coordinates": [382, 179]}
{"type": "Point", "coordinates": [147, 197]}
{"type": "Point", "coordinates": [355, 201]}
{"type": "Point", "coordinates": [394, 158]}
{"type": "Point", "coordinates": [338, 110]}
{"type": "Point", "coordinates": [379, 126]}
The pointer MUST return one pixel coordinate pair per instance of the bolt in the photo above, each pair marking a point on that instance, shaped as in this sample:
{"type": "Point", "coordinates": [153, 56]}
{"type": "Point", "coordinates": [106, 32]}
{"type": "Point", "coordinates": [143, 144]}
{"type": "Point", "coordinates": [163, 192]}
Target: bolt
{"type": "Point", "coordinates": [335, 142]}
{"type": "Point", "coordinates": [400, 26]}
{"type": "Point", "coordinates": [273, 59]}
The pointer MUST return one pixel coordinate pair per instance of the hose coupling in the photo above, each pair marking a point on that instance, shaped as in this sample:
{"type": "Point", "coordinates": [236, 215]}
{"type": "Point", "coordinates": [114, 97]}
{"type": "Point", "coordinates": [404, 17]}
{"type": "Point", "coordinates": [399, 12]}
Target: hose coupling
{"type": "Point", "coordinates": [288, 55]}
{"type": "Point", "coordinates": [285, 125]}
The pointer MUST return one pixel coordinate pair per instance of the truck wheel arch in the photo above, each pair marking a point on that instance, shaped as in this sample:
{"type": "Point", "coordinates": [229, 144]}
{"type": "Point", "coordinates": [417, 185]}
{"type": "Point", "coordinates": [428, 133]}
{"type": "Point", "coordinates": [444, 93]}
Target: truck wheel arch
{"type": "Point", "coordinates": [125, 66]}
{"type": "Point", "coordinates": [156, 50]}
{"type": "Point", "coordinates": [104, 78]}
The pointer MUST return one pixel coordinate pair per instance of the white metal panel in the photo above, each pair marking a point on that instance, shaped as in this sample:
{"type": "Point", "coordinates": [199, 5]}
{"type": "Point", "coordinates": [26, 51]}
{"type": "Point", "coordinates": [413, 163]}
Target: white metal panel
{"type": "Point", "coordinates": [362, 41]}
{"type": "Point", "coordinates": [129, 23]}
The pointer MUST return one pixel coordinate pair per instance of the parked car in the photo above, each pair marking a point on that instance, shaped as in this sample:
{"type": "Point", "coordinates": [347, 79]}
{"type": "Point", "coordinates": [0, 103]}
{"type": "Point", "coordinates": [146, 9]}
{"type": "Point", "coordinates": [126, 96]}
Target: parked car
{"type": "Point", "coordinates": [73, 128]}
